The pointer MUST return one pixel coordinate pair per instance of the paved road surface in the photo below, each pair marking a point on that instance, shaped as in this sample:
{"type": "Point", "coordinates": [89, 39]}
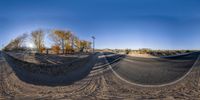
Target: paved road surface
{"type": "Point", "coordinates": [0, 55]}
{"type": "Point", "coordinates": [144, 71]}
{"type": "Point", "coordinates": [101, 83]}
{"type": "Point", "coordinates": [1, 58]}
{"type": "Point", "coordinates": [154, 71]}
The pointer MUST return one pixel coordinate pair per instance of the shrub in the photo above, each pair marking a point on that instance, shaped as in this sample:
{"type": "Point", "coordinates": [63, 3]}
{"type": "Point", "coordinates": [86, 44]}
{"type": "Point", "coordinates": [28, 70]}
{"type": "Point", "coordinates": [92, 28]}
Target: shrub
{"type": "Point", "coordinates": [55, 49]}
{"type": "Point", "coordinates": [187, 51]}
{"type": "Point", "coordinates": [42, 49]}
{"type": "Point", "coordinates": [127, 51]}
{"type": "Point", "coordinates": [145, 51]}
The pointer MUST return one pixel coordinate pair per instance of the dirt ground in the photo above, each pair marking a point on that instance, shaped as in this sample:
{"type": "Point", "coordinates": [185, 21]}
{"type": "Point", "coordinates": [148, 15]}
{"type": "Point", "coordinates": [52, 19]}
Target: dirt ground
{"type": "Point", "coordinates": [101, 83]}
{"type": "Point", "coordinates": [47, 59]}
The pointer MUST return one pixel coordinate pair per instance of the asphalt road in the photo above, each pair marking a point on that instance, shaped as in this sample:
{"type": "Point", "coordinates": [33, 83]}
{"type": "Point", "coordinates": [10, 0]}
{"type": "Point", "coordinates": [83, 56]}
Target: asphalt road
{"type": "Point", "coordinates": [98, 81]}
{"type": "Point", "coordinates": [1, 58]}
{"type": "Point", "coordinates": [154, 71]}
{"type": "Point", "coordinates": [144, 71]}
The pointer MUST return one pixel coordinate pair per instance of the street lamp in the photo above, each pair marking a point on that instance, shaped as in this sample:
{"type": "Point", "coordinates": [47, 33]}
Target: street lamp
{"type": "Point", "coordinates": [93, 38]}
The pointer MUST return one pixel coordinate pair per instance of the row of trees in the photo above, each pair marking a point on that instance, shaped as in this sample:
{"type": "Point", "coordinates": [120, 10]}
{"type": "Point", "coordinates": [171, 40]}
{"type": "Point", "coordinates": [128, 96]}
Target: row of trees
{"type": "Point", "coordinates": [68, 42]}
{"type": "Point", "coordinates": [61, 40]}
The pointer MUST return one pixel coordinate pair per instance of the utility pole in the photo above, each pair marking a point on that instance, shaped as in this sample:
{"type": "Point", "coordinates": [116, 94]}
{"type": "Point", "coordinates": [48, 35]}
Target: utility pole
{"type": "Point", "coordinates": [93, 38]}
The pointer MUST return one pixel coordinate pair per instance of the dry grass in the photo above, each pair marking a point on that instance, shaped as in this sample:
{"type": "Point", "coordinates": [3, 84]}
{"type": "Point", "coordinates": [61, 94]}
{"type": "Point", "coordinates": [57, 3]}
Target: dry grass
{"type": "Point", "coordinates": [154, 52]}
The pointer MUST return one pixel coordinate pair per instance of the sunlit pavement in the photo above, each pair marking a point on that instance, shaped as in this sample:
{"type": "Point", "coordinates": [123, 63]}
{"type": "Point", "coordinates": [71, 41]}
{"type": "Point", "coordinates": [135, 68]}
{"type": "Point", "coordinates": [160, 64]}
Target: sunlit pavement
{"type": "Point", "coordinates": [155, 71]}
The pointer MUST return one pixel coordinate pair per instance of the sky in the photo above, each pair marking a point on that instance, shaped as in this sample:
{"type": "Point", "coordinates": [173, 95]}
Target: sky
{"type": "Point", "coordinates": [116, 24]}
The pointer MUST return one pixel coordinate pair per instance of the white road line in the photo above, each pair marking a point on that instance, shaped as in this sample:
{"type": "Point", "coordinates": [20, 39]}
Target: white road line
{"type": "Point", "coordinates": [107, 63]}
{"type": "Point", "coordinates": [128, 60]}
{"type": "Point", "coordinates": [167, 84]}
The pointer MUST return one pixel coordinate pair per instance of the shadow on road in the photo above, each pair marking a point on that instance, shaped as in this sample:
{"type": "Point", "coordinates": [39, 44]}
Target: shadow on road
{"type": "Point", "coordinates": [55, 75]}
{"type": "Point", "coordinates": [52, 59]}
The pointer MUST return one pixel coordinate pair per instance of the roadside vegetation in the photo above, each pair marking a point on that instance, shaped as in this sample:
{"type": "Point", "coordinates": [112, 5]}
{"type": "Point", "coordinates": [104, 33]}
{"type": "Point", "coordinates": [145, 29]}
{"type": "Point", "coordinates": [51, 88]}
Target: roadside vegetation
{"type": "Point", "coordinates": [62, 42]}
{"type": "Point", "coordinates": [152, 52]}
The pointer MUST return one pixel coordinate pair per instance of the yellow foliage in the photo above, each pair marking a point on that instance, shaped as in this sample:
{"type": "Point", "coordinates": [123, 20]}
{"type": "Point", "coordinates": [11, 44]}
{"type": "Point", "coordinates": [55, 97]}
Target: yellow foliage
{"type": "Point", "coordinates": [56, 49]}
{"type": "Point", "coordinates": [60, 33]}
{"type": "Point", "coordinates": [42, 49]}
{"type": "Point", "coordinates": [68, 48]}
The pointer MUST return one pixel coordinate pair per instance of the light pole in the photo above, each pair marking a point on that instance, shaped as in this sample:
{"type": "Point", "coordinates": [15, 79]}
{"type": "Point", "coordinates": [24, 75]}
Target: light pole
{"type": "Point", "coordinates": [93, 38]}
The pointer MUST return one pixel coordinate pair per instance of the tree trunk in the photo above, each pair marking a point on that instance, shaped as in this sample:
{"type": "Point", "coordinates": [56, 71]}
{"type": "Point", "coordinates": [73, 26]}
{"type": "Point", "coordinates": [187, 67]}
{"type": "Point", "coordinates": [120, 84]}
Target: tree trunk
{"type": "Point", "coordinates": [63, 46]}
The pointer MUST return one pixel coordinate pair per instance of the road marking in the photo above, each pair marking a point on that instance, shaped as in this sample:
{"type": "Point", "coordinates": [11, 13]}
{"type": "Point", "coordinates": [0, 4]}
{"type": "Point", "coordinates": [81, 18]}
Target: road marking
{"type": "Point", "coordinates": [127, 60]}
{"type": "Point", "coordinates": [107, 63]}
{"type": "Point", "coordinates": [167, 84]}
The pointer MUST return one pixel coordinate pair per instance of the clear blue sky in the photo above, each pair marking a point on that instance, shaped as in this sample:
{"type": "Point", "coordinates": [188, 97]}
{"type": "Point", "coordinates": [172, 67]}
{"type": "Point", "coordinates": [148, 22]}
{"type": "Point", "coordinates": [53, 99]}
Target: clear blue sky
{"type": "Point", "coordinates": [156, 24]}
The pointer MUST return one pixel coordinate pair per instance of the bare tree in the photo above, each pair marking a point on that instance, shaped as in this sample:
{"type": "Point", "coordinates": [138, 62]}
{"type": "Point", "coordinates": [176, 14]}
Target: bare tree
{"type": "Point", "coordinates": [69, 38]}
{"type": "Point", "coordinates": [38, 39]}
{"type": "Point", "coordinates": [20, 40]}
{"type": "Point", "coordinates": [56, 39]}
{"type": "Point", "coordinates": [77, 43]}
{"type": "Point", "coordinates": [16, 44]}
